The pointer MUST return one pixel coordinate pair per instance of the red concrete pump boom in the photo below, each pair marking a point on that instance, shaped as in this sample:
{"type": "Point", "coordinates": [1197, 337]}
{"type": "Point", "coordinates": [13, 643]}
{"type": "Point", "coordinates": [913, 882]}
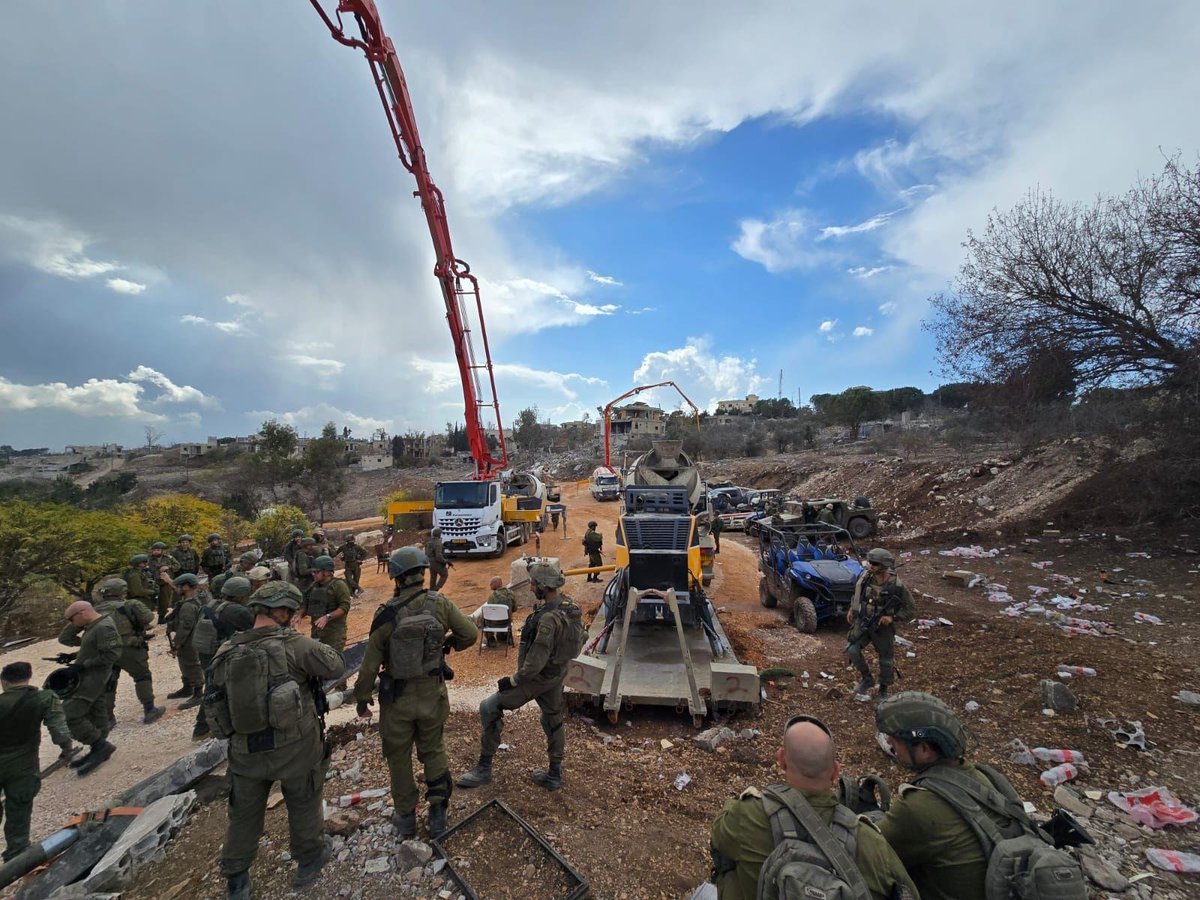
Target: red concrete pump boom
{"type": "Point", "coordinates": [460, 289]}
{"type": "Point", "coordinates": [637, 390]}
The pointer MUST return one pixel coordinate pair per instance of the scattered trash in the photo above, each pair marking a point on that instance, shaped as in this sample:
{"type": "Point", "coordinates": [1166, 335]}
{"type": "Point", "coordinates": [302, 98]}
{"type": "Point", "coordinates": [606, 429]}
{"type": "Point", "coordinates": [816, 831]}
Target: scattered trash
{"type": "Point", "coordinates": [1138, 554]}
{"type": "Point", "coordinates": [1076, 670]}
{"type": "Point", "coordinates": [972, 552]}
{"type": "Point", "coordinates": [863, 698]}
{"type": "Point", "coordinates": [900, 642]}
{"type": "Point", "coordinates": [910, 655]}
{"type": "Point", "coordinates": [944, 621]}
{"type": "Point", "coordinates": [682, 780]}
{"type": "Point", "coordinates": [1147, 619]}
{"type": "Point", "coordinates": [504, 747]}
{"type": "Point", "coordinates": [355, 799]}
{"type": "Point", "coordinates": [1059, 774]}
{"type": "Point", "coordinates": [1173, 860]}
{"type": "Point", "coordinates": [1045, 754]}
{"type": "Point", "coordinates": [1191, 698]}
{"type": "Point", "coordinates": [1130, 735]}
{"type": "Point", "coordinates": [712, 738]}
{"type": "Point", "coordinates": [971, 706]}
{"type": "Point", "coordinates": [827, 676]}
{"type": "Point", "coordinates": [1154, 807]}
{"type": "Point", "coordinates": [1048, 712]}
{"type": "Point", "coordinates": [665, 744]}
{"type": "Point", "coordinates": [1043, 565]}
{"type": "Point", "coordinates": [1022, 755]}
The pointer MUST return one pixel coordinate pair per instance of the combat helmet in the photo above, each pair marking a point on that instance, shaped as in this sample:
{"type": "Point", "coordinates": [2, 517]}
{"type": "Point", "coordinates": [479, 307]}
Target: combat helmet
{"type": "Point", "coordinates": [547, 576]}
{"type": "Point", "coordinates": [187, 579]}
{"type": "Point", "coordinates": [913, 716]}
{"type": "Point", "coordinates": [138, 558]}
{"type": "Point", "coordinates": [213, 537]}
{"type": "Point", "coordinates": [113, 587]}
{"type": "Point", "coordinates": [275, 594]}
{"type": "Point", "coordinates": [158, 545]}
{"type": "Point", "coordinates": [405, 559]}
{"type": "Point", "coordinates": [592, 524]}
{"type": "Point", "coordinates": [185, 537]}
{"type": "Point", "coordinates": [236, 586]}
{"type": "Point", "coordinates": [62, 682]}
{"type": "Point", "coordinates": [323, 563]}
{"type": "Point", "coordinates": [880, 557]}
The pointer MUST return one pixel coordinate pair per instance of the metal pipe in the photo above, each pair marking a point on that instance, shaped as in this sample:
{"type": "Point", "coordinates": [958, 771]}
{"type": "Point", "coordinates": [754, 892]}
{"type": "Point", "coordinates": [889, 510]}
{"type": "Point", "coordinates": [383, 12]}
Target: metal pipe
{"type": "Point", "coordinates": [37, 854]}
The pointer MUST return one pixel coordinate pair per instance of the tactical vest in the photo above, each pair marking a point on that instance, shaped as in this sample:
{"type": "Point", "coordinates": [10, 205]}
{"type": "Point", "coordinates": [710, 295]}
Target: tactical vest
{"type": "Point", "coordinates": [210, 632]}
{"type": "Point", "coordinates": [132, 634]}
{"type": "Point", "coordinates": [20, 721]}
{"type": "Point", "coordinates": [251, 690]}
{"type": "Point", "coordinates": [592, 541]}
{"type": "Point", "coordinates": [214, 558]}
{"type": "Point", "coordinates": [189, 560]}
{"type": "Point", "coordinates": [571, 635]}
{"type": "Point", "coordinates": [318, 601]}
{"type": "Point", "coordinates": [415, 648]}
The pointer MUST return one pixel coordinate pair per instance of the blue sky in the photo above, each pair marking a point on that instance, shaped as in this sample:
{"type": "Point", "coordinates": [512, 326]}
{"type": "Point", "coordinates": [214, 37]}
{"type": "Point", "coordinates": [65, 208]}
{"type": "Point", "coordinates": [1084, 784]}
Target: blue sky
{"type": "Point", "coordinates": [203, 224]}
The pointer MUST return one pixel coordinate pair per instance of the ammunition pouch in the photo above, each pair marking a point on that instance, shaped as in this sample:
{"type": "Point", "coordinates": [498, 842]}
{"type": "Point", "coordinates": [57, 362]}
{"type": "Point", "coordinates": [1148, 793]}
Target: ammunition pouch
{"type": "Point", "coordinates": [261, 741]}
{"type": "Point", "coordinates": [387, 688]}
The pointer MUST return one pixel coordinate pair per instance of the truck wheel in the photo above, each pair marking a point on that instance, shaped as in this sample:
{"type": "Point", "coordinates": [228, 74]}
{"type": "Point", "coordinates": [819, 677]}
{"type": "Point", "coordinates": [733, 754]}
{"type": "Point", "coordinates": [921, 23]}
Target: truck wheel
{"type": "Point", "coordinates": [765, 597]}
{"type": "Point", "coordinates": [859, 527]}
{"type": "Point", "coordinates": [804, 615]}
{"type": "Point", "coordinates": [501, 543]}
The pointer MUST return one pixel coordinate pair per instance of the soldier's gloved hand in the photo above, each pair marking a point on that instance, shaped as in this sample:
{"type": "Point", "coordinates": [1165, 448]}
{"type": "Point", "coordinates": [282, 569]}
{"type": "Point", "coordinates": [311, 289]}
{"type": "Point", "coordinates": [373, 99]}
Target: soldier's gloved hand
{"type": "Point", "coordinates": [505, 684]}
{"type": "Point", "coordinates": [364, 708]}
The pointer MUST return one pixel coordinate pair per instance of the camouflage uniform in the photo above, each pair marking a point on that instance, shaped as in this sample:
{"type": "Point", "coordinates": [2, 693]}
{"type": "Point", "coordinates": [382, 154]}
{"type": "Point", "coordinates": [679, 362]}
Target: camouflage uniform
{"type": "Point", "coordinates": [159, 564]}
{"type": "Point", "coordinates": [353, 555]}
{"type": "Point", "coordinates": [418, 708]}
{"type": "Point", "coordinates": [504, 597]}
{"type": "Point", "coordinates": [86, 709]}
{"type": "Point", "coordinates": [302, 566]}
{"type": "Point", "coordinates": [715, 527]}
{"type": "Point", "coordinates": [187, 613]}
{"type": "Point", "coordinates": [321, 599]}
{"type": "Point", "coordinates": [439, 572]}
{"type": "Point", "coordinates": [296, 764]}
{"type": "Point", "coordinates": [742, 840]}
{"type": "Point", "coordinates": [214, 559]}
{"type": "Point", "coordinates": [23, 710]}
{"type": "Point", "coordinates": [593, 543]}
{"type": "Point", "coordinates": [141, 585]}
{"type": "Point", "coordinates": [866, 601]}
{"type": "Point", "coordinates": [189, 560]}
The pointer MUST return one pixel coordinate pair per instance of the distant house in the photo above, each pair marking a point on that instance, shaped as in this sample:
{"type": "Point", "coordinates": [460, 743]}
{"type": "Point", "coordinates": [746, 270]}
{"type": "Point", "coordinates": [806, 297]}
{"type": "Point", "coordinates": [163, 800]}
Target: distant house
{"type": "Point", "coordinates": [636, 419]}
{"type": "Point", "coordinates": [737, 407]}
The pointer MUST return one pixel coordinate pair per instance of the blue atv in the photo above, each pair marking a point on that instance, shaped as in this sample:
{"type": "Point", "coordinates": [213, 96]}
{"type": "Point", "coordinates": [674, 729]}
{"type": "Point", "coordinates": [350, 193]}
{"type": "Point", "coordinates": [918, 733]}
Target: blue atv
{"type": "Point", "coordinates": [809, 570]}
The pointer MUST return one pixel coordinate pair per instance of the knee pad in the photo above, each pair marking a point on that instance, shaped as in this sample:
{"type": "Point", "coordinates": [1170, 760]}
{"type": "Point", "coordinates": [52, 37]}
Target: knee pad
{"type": "Point", "coordinates": [440, 788]}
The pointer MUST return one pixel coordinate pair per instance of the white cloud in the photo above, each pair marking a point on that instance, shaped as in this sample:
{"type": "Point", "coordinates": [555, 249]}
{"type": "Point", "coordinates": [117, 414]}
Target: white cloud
{"type": "Point", "coordinates": [441, 376]}
{"type": "Point", "coordinates": [172, 392]}
{"type": "Point", "coordinates": [324, 369]}
{"type": "Point", "coordinates": [230, 327]}
{"type": "Point", "coordinates": [310, 346]}
{"type": "Point", "coordinates": [827, 326]}
{"type": "Point", "coordinates": [887, 308]}
{"type": "Point", "coordinates": [700, 373]}
{"type": "Point", "coordinates": [311, 419]}
{"type": "Point", "coordinates": [863, 331]}
{"type": "Point", "coordinates": [96, 397]}
{"type": "Point", "coordinates": [836, 231]}
{"type": "Point", "coordinates": [781, 244]}
{"type": "Point", "coordinates": [124, 286]}
{"type": "Point", "coordinates": [606, 280]}
{"type": "Point", "coordinates": [238, 299]}
{"type": "Point", "coordinates": [864, 272]}
{"type": "Point", "coordinates": [51, 247]}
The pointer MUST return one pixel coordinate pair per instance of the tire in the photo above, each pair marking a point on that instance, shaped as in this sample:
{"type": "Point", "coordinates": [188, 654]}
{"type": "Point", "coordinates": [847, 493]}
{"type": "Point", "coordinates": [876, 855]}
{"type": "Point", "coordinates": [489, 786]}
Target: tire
{"type": "Point", "coordinates": [804, 615]}
{"type": "Point", "coordinates": [501, 544]}
{"type": "Point", "coordinates": [765, 597]}
{"type": "Point", "coordinates": [859, 527]}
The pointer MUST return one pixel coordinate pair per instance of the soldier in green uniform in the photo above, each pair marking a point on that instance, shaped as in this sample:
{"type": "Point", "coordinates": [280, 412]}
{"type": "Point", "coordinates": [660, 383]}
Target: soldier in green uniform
{"type": "Point", "coordinates": [327, 603]}
{"type": "Point", "coordinates": [501, 594]}
{"type": "Point", "coordinates": [934, 841]}
{"type": "Point", "coordinates": [132, 618]}
{"type": "Point", "coordinates": [825, 516]}
{"type": "Point", "coordinates": [552, 636]}
{"type": "Point", "coordinates": [409, 635]}
{"type": "Point", "coordinates": [593, 543]}
{"type": "Point", "coordinates": [86, 707]}
{"type": "Point", "coordinates": [320, 542]}
{"type": "Point", "coordinates": [221, 618]}
{"type": "Point", "coordinates": [215, 558]}
{"type": "Point", "coordinates": [139, 582]}
{"type": "Point", "coordinates": [23, 710]}
{"type": "Point", "coordinates": [293, 547]}
{"type": "Point", "coordinates": [302, 564]}
{"type": "Point", "coordinates": [353, 555]}
{"type": "Point", "coordinates": [715, 527]}
{"type": "Point", "coordinates": [182, 626]}
{"type": "Point", "coordinates": [876, 588]}
{"type": "Point", "coordinates": [742, 838]}
{"type": "Point", "coordinates": [439, 566]}
{"type": "Point", "coordinates": [244, 564]}
{"type": "Point", "coordinates": [271, 741]}
{"type": "Point", "coordinates": [162, 569]}
{"type": "Point", "coordinates": [188, 559]}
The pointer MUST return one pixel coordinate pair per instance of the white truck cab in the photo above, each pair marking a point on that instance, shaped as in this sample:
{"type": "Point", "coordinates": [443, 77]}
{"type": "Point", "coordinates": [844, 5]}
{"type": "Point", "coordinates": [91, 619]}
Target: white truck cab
{"type": "Point", "coordinates": [605, 484]}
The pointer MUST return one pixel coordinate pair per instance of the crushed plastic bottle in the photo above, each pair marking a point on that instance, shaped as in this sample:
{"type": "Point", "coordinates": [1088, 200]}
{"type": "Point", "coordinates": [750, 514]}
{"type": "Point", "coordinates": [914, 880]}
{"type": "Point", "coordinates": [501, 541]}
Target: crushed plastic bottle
{"type": "Point", "coordinates": [1064, 669]}
{"type": "Point", "coordinates": [682, 780]}
{"type": "Point", "coordinates": [1021, 754]}
{"type": "Point", "coordinates": [1173, 860]}
{"type": "Point", "coordinates": [1059, 756]}
{"type": "Point", "coordinates": [1059, 774]}
{"type": "Point", "coordinates": [355, 799]}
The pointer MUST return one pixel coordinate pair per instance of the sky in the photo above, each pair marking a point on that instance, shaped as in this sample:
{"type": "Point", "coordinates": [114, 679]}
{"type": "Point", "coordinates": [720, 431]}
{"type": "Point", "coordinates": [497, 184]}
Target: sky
{"type": "Point", "coordinates": [203, 223]}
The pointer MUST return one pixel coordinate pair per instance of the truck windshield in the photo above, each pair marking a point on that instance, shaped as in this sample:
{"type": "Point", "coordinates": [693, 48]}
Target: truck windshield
{"type": "Point", "coordinates": [606, 479]}
{"type": "Point", "coordinates": [461, 495]}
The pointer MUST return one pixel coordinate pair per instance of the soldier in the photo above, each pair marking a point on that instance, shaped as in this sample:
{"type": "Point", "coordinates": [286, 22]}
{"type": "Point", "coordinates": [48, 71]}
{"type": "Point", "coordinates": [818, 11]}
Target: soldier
{"type": "Point", "coordinates": [215, 558]}
{"type": "Point", "coordinates": [302, 564]}
{"type": "Point", "coordinates": [139, 584]}
{"type": "Point", "coordinates": [132, 618]}
{"type": "Point", "coordinates": [932, 834]}
{"type": "Point", "coordinates": [258, 576]}
{"type": "Point", "coordinates": [23, 711]}
{"type": "Point", "coordinates": [182, 625]}
{"type": "Point", "coordinates": [220, 619]}
{"type": "Point", "coordinates": [501, 594]}
{"type": "Point", "coordinates": [162, 569]}
{"type": "Point", "coordinates": [188, 559]}
{"type": "Point", "coordinates": [327, 603]}
{"type": "Point", "coordinates": [715, 527]}
{"type": "Point", "coordinates": [272, 741]}
{"type": "Point", "coordinates": [593, 543]}
{"type": "Point", "coordinates": [86, 707]}
{"type": "Point", "coordinates": [353, 555]}
{"type": "Point", "coordinates": [292, 548]}
{"type": "Point", "coordinates": [439, 566]}
{"type": "Point", "coordinates": [552, 636]}
{"type": "Point", "coordinates": [878, 591]}
{"type": "Point", "coordinates": [825, 516]}
{"type": "Point", "coordinates": [743, 834]}
{"type": "Point", "coordinates": [409, 635]}
{"type": "Point", "coordinates": [321, 543]}
{"type": "Point", "coordinates": [245, 563]}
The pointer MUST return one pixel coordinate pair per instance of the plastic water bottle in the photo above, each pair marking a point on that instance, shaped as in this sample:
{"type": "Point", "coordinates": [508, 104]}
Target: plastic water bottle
{"type": "Point", "coordinates": [1059, 774]}
{"type": "Point", "coordinates": [1174, 860]}
{"type": "Point", "coordinates": [1059, 756]}
{"type": "Point", "coordinates": [1077, 670]}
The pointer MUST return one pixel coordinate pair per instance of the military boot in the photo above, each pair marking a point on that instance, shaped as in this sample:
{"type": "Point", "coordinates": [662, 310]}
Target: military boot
{"type": "Point", "coordinates": [195, 696]}
{"type": "Point", "coordinates": [307, 873]}
{"type": "Point", "coordinates": [865, 685]}
{"type": "Point", "coordinates": [551, 779]}
{"type": "Point", "coordinates": [238, 886]}
{"type": "Point", "coordinates": [100, 752]}
{"type": "Point", "coordinates": [883, 692]}
{"type": "Point", "coordinates": [481, 774]}
{"type": "Point", "coordinates": [437, 820]}
{"type": "Point", "coordinates": [152, 713]}
{"type": "Point", "coordinates": [201, 731]}
{"type": "Point", "coordinates": [406, 824]}
{"type": "Point", "coordinates": [185, 691]}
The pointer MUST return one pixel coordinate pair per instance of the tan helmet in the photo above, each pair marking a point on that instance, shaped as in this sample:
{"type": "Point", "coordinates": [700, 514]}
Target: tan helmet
{"type": "Point", "coordinates": [880, 557]}
{"type": "Point", "coordinates": [547, 575]}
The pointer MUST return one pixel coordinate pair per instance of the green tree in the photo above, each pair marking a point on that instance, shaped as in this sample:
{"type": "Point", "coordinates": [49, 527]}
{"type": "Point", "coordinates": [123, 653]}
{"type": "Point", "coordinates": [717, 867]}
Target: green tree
{"type": "Point", "coordinates": [852, 407]}
{"type": "Point", "coordinates": [170, 515]}
{"type": "Point", "coordinates": [105, 493]}
{"type": "Point", "coordinates": [456, 438]}
{"type": "Point", "coordinates": [324, 476]}
{"type": "Point", "coordinates": [273, 529]}
{"type": "Point", "coordinates": [272, 464]}
{"type": "Point", "coordinates": [527, 431]}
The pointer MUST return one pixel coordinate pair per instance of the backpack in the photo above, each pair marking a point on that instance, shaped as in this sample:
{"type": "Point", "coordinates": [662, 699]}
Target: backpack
{"type": "Point", "coordinates": [1022, 863]}
{"type": "Point", "coordinates": [206, 637]}
{"type": "Point", "coordinates": [810, 859]}
{"type": "Point", "coordinates": [415, 649]}
{"type": "Point", "coordinates": [573, 637]}
{"type": "Point", "coordinates": [250, 689]}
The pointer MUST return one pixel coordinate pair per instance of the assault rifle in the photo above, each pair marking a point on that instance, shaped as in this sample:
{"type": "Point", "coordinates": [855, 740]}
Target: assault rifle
{"type": "Point", "coordinates": [63, 659]}
{"type": "Point", "coordinates": [892, 598]}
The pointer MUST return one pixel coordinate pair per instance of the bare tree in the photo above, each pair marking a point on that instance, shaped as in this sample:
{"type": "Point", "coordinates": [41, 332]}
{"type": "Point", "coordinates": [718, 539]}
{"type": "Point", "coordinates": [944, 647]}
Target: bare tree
{"type": "Point", "coordinates": [153, 436]}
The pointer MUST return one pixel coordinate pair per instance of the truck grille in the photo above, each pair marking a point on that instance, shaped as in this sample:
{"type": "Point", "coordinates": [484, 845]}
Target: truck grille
{"type": "Point", "coordinates": [650, 532]}
{"type": "Point", "coordinates": [459, 526]}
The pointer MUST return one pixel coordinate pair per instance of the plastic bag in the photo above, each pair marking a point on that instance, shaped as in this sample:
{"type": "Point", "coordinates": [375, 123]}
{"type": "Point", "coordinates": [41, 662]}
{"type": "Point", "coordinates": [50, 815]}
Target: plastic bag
{"type": "Point", "coordinates": [1174, 860]}
{"type": "Point", "coordinates": [1154, 807]}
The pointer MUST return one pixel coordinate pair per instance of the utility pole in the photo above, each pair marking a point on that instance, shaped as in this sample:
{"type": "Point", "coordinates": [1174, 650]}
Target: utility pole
{"type": "Point", "coordinates": [779, 395]}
